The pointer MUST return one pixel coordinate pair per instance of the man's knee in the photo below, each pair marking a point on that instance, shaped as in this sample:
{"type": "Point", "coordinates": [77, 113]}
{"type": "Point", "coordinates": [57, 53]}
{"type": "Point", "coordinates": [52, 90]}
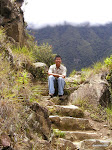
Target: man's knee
{"type": "Point", "coordinates": [61, 79]}
{"type": "Point", "coordinates": [51, 77]}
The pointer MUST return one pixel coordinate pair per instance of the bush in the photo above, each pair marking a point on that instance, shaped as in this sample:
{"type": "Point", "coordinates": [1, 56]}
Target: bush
{"type": "Point", "coordinates": [109, 116]}
{"type": "Point", "coordinates": [72, 73]}
{"type": "Point", "coordinates": [97, 66]}
{"type": "Point", "coordinates": [44, 54]}
{"type": "Point", "coordinates": [41, 53]}
{"type": "Point", "coordinates": [59, 133]}
{"type": "Point", "coordinates": [108, 62]}
{"type": "Point", "coordinates": [23, 51]}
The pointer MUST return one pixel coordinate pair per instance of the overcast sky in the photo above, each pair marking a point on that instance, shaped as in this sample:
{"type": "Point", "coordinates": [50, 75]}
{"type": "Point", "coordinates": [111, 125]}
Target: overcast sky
{"type": "Point", "coordinates": [52, 12]}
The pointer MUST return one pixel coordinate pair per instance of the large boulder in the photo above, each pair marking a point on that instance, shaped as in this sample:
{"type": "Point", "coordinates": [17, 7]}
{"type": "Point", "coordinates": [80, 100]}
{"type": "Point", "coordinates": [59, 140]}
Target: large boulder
{"type": "Point", "coordinates": [39, 70]}
{"type": "Point", "coordinates": [11, 18]}
{"type": "Point", "coordinates": [95, 91]}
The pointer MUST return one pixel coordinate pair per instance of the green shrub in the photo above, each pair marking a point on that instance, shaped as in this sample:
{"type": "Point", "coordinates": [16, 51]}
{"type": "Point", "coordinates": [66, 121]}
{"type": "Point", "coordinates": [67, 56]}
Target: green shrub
{"type": "Point", "coordinates": [40, 53]}
{"type": "Point", "coordinates": [58, 133]}
{"type": "Point", "coordinates": [44, 54]}
{"type": "Point", "coordinates": [97, 66]}
{"type": "Point", "coordinates": [24, 51]}
{"type": "Point", "coordinates": [22, 77]}
{"type": "Point", "coordinates": [109, 116]}
{"type": "Point", "coordinates": [73, 73]}
{"type": "Point", "coordinates": [108, 62]}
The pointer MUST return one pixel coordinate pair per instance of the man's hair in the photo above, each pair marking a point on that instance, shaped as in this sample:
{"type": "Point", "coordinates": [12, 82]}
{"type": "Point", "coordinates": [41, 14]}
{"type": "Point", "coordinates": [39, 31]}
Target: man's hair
{"type": "Point", "coordinates": [57, 56]}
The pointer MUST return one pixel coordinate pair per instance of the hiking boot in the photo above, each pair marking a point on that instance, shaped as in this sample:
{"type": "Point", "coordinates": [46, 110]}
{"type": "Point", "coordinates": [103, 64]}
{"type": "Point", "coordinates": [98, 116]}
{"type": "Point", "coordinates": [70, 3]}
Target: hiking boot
{"type": "Point", "coordinates": [51, 96]}
{"type": "Point", "coordinates": [61, 97]}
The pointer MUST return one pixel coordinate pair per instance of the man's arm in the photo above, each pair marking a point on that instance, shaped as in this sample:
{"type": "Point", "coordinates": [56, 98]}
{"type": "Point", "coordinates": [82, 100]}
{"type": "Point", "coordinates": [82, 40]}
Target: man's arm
{"type": "Point", "coordinates": [56, 75]}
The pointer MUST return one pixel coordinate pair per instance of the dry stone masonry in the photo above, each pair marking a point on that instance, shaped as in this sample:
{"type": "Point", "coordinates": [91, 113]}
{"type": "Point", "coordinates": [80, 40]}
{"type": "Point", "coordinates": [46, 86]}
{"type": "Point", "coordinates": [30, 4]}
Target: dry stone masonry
{"type": "Point", "coordinates": [72, 129]}
{"type": "Point", "coordinates": [11, 18]}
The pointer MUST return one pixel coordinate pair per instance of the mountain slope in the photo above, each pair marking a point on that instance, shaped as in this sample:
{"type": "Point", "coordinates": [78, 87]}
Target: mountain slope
{"type": "Point", "coordinates": [79, 46]}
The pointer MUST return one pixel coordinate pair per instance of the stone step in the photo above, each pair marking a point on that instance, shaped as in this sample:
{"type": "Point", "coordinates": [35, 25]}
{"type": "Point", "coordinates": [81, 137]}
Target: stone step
{"type": "Point", "coordinates": [42, 90]}
{"type": "Point", "coordinates": [94, 144]}
{"type": "Point", "coordinates": [62, 144]}
{"type": "Point", "coordinates": [80, 135]}
{"type": "Point", "coordinates": [77, 145]}
{"type": "Point", "coordinates": [46, 98]}
{"type": "Point", "coordinates": [70, 123]}
{"type": "Point", "coordinates": [66, 110]}
{"type": "Point", "coordinates": [46, 103]}
{"type": "Point", "coordinates": [56, 100]}
{"type": "Point", "coordinates": [76, 135]}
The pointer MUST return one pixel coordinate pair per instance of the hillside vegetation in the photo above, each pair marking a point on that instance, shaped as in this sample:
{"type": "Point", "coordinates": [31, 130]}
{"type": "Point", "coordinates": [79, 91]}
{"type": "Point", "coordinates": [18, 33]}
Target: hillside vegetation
{"type": "Point", "coordinates": [79, 46]}
{"type": "Point", "coordinates": [25, 122]}
{"type": "Point", "coordinates": [29, 118]}
{"type": "Point", "coordinates": [19, 89]}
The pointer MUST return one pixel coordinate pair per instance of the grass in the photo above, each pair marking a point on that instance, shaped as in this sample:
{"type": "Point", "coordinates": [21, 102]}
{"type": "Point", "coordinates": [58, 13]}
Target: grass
{"type": "Point", "coordinates": [2, 35]}
{"type": "Point", "coordinates": [73, 73]}
{"type": "Point", "coordinates": [82, 103]}
{"type": "Point", "coordinates": [52, 111]}
{"type": "Point", "coordinates": [108, 62]}
{"type": "Point", "coordinates": [58, 133]}
{"type": "Point", "coordinates": [69, 84]}
{"type": "Point", "coordinates": [23, 51]}
{"type": "Point", "coordinates": [98, 67]}
{"type": "Point", "coordinates": [109, 116]}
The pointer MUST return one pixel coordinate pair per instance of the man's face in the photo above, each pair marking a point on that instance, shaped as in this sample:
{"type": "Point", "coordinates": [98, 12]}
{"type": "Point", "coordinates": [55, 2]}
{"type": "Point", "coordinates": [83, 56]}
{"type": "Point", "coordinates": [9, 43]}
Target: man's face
{"type": "Point", "coordinates": [58, 61]}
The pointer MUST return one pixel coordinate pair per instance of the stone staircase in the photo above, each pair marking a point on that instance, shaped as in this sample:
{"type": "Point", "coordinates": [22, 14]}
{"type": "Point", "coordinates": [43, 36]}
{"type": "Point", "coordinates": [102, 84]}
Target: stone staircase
{"type": "Point", "coordinates": [71, 130]}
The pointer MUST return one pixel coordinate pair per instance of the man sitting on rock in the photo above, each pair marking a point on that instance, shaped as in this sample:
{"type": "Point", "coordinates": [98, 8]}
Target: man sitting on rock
{"type": "Point", "coordinates": [57, 73]}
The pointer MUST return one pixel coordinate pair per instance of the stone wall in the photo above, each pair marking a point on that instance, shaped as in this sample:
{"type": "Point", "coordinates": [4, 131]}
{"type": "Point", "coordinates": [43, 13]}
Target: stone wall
{"type": "Point", "coordinates": [11, 18]}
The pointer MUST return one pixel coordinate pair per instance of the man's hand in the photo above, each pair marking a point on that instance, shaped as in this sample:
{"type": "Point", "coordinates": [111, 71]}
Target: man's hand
{"type": "Point", "coordinates": [56, 75]}
{"type": "Point", "coordinates": [62, 76]}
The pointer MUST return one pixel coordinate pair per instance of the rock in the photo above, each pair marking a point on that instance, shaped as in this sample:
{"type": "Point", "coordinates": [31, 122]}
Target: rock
{"type": "Point", "coordinates": [39, 121]}
{"type": "Point", "coordinates": [80, 135]}
{"type": "Point", "coordinates": [70, 123]}
{"type": "Point", "coordinates": [12, 20]}
{"type": "Point", "coordinates": [63, 144]}
{"type": "Point", "coordinates": [76, 77]}
{"type": "Point", "coordinates": [5, 140]}
{"type": "Point", "coordinates": [70, 110]}
{"type": "Point", "coordinates": [93, 144]}
{"type": "Point", "coordinates": [35, 143]}
{"type": "Point", "coordinates": [46, 103]}
{"type": "Point", "coordinates": [7, 148]}
{"type": "Point", "coordinates": [94, 93]}
{"type": "Point", "coordinates": [39, 70]}
{"type": "Point", "coordinates": [60, 100]}
{"type": "Point", "coordinates": [23, 146]}
{"type": "Point", "coordinates": [109, 147]}
{"type": "Point", "coordinates": [10, 56]}
{"type": "Point", "coordinates": [41, 145]}
{"type": "Point", "coordinates": [39, 65]}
